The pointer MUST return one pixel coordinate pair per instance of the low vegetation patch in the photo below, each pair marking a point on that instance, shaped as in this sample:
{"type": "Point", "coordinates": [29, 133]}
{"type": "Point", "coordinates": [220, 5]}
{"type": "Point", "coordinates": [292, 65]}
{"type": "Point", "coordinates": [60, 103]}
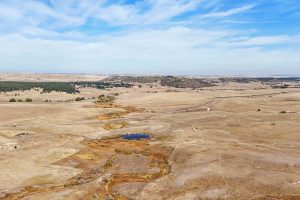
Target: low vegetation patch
{"type": "Point", "coordinates": [28, 100]}
{"type": "Point", "coordinates": [20, 100]}
{"type": "Point", "coordinates": [12, 100]}
{"type": "Point", "coordinates": [105, 99]}
{"type": "Point", "coordinates": [79, 99]}
{"type": "Point", "coordinates": [170, 81]}
{"type": "Point", "coordinates": [181, 82]}
{"type": "Point", "coordinates": [111, 126]}
{"type": "Point", "coordinates": [114, 115]}
{"type": "Point", "coordinates": [101, 85]}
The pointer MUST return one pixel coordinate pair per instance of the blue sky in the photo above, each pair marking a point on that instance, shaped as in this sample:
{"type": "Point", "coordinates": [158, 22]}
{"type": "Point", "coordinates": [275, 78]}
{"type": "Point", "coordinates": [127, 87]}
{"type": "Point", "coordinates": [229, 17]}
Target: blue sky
{"type": "Point", "coordinates": [188, 37]}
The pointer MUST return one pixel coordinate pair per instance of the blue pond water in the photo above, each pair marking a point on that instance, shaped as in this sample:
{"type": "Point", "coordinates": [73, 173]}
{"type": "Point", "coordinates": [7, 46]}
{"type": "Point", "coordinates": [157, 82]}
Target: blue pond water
{"type": "Point", "coordinates": [134, 136]}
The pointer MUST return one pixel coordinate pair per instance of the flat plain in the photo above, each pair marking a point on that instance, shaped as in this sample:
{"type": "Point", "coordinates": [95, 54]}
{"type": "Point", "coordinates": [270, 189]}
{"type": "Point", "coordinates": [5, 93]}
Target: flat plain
{"type": "Point", "coordinates": [227, 141]}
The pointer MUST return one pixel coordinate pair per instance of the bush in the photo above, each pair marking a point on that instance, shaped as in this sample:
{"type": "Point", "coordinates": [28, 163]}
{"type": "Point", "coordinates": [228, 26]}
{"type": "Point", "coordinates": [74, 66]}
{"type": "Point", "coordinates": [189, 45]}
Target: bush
{"type": "Point", "coordinates": [12, 100]}
{"type": "Point", "coordinates": [79, 99]}
{"type": "Point", "coordinates": [105, 99]}
{"type": "Point", "coordinates": [20, 100]}
{"type": "Point", "coordinates": [28, 100]}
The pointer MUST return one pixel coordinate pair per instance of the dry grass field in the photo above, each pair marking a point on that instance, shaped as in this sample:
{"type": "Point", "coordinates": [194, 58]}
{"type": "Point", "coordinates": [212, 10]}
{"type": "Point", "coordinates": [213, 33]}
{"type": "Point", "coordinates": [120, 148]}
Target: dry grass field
{"type": "Point", "coordinates": [242, 148]}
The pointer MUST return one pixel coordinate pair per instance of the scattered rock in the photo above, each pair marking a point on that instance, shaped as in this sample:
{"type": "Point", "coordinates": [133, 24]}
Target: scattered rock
{"type": "Point", "coordinates": [109, 198]}
{"type": "Point", "coordinates": [95, 196]}
{"type": "Point", "coordinates": [81, 181]}
{"type": "Point", "coordinates": [22, 134]}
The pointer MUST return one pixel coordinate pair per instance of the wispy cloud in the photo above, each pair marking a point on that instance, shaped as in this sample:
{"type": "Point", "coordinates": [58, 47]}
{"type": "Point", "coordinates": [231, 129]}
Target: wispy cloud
{"type": "Point", "coordinates": [9, 14]}
{"type": "Point", "coordinates": [228, 12]}
{"type": "Point", "coordinates": [266, 40]}
{"type": "Point", "coordinates": [248, 22]}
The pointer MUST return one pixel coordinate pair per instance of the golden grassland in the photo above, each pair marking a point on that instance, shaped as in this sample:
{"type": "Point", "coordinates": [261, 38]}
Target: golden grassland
{"type": "Point", "coordinates": [243, 148]}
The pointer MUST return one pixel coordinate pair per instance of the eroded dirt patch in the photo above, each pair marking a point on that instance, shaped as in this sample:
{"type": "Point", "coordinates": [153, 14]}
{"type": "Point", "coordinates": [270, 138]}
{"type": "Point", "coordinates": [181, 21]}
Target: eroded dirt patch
{"type": "Point", "coordinates": [106, 163]}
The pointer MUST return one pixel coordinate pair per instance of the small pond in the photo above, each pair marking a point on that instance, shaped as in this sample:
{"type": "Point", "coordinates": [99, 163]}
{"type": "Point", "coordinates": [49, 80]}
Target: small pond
{"type": "Point", "coordinates": [134, 136]}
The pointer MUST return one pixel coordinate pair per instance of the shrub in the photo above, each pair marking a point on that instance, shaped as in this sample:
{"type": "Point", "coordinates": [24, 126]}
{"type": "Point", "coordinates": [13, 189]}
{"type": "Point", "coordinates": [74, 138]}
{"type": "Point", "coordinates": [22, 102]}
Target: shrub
{"type": "Point", "coordinates": [28, 100]}
{"type": "Point", "coordinates": [20, 100]}
{"type": "Point", "coordinates": [78, 99]}
{"type": "Point", "coordinates": [12, 100]}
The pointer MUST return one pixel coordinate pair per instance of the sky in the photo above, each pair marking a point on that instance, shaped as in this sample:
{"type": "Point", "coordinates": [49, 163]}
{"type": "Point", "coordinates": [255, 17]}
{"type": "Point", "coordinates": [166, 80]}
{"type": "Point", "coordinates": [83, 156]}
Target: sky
{"type": "Point", "coordinates": [155, 37]}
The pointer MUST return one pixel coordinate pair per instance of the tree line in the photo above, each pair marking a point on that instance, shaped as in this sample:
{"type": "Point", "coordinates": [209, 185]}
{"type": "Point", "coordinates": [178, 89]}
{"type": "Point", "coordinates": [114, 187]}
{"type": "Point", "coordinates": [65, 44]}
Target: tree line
{"type": "Point", "coordinates": [68, 87]}
{"type": "Point", "coordinates": [102, 85]}
{"type": "Point", "coordinates": [8, 86]}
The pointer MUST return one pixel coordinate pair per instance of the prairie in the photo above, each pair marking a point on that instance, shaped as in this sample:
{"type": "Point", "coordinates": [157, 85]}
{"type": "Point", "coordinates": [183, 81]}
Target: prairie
{"type": "Point", "coordinates": [242, 148]}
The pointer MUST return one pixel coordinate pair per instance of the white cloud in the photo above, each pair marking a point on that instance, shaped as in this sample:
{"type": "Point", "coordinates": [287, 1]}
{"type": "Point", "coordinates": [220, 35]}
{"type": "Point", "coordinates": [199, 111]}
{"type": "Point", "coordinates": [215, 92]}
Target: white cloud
{"type": "Point", "coordinates": [166, 9]}
{"type": "Point", "coordinates": [228, 12]}
{"type": "Point", "coordinates": [9, 14]}
{"type": "Point", "coordinates": [266, 40]}
{"type": "Point", "coordinates": [117, 14]}
{"type": "Point", "coordinates": [152, 51]}
{"type": "Point", "coordinates": [35, 31]}
{"type": "Point", "coordinates": [249, 22]}
{"type": "Point", "coordinates": [159, 11]}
